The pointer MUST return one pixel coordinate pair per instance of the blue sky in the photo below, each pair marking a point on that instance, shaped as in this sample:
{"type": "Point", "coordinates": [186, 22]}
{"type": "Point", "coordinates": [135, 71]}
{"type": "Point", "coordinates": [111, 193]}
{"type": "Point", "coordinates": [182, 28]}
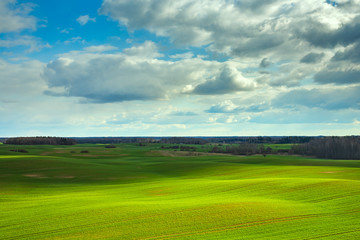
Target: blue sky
{"type": "Point", "coordinates": [179, 68]}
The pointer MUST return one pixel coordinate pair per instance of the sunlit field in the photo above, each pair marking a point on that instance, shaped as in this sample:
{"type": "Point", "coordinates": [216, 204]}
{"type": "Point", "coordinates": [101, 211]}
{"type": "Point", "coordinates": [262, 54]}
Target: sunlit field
{"type": "Point", "coordinates": [144, 192]}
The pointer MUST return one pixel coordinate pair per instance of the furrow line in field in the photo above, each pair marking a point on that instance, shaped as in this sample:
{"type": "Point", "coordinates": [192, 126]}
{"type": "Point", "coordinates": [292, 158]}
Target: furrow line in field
{"type": "Point", "coordinates": [25, 236]}
{"type": "Point", "coordinates": [234, 227]}
{"type": "Point", "coordinates": [217, 229]}
{"type": "Point", "coordinates": [91, 225]}
{"type": "Point", "coordinates": [335, 197]}
{"type": "Point", "coordinates": [246, 225]}
{"type": "Point", "coordinates": [332, 234]}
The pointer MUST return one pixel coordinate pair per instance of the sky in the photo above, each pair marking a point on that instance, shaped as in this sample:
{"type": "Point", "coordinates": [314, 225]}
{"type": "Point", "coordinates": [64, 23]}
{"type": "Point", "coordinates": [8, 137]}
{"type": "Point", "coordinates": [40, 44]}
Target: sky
{"type": "Point", "coordinates": [179, 68]}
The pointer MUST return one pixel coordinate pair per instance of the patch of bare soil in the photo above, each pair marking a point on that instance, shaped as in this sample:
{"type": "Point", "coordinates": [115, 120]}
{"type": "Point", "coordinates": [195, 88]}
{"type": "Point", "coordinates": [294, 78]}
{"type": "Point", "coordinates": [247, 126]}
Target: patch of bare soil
{"type": "Point", "coordinates": [65, 177]}
{"type": "Point", "coordinates": [52, 152]}
{"type": "Point", "coordinates": [32, 175]}
{"type": "Point", "coordinates": [159, 192]}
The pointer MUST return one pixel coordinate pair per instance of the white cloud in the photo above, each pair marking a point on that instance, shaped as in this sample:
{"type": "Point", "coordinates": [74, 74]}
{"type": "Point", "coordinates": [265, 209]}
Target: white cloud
{"type": "Point", "coordinates": [228, 80]}
{"type": "Point", "coordinates": [75, 40]}
{"type": "Point", "coordinates": [33, 44]}
{"type": "Point", "coordinates": [21, 81]}
{"type": "Point", "coordinates": [259, 49]}
{"type": "Point", "coordinates": [66, 30]}
{"type": "Point", "coordinates": [231, 119]}
{"type": "Point", "coordinates": [83, 20]}
{"type": "Point", "coordinates": [237, 27]}
{"type": "Point", "coordinates": [250, 30]}
{"type": "Point", "coordinates": [330, 98]}
{"type": "Point", "coordinates": [100, 48]}
{"type": "Point", "coordinates": [186, 55]}
{"type": "Point", "coordinates": [134, 74]}
{"type": "Point", "coordinates": [148, 49]}
{"type": "Point", "coordinates": [15, 17]}
{"type": "Point", "coordinates": [226, 106]}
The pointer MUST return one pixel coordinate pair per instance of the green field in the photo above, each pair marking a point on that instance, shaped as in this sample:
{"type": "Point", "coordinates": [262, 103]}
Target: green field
{"type": "Point", "coordinates": [133, 192]}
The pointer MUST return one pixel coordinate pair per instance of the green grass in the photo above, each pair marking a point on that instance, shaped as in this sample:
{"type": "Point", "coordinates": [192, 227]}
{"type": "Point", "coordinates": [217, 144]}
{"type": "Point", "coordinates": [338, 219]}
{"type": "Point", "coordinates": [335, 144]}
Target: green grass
{"type": "Point", "coordinates": [132, 192]}
{"type": "Point", "coordinates": [279, 146]}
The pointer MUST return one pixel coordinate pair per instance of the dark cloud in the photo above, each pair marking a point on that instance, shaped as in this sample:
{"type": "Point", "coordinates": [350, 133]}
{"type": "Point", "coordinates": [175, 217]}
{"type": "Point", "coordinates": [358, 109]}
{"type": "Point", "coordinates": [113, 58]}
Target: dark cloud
{"type": "Point", "coordinates": [312, 58]}
{"type": "Point", "coordinates": [254, 5]}
{"type": "Point", "coordinates": [348, 6]}
{"type": "Point", "coordinates": [258, 44]}
{"type": "Point", "coordinates": [229, 80]}
{"type": "Point", "coordinates": [320, 35]}
{"type": "Point", "coordinates": [265, 63]}
{"type": "Point", "coordinates": [330, 99]}
{"type": "Point", "coordinates": [118, 97]}
{"type": "Point", "coordinates": [351, 54]}
{"type": "Point", "coordinates": [337, 77]}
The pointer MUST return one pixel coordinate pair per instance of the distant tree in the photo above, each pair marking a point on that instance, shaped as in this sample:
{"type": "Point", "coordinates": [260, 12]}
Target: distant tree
{"type": "Point", "coordinates": [40, 141]}
{"type": "Point", "coordinates": [19, 150]}
{"type": "Point", "coordinates": [110, 146]}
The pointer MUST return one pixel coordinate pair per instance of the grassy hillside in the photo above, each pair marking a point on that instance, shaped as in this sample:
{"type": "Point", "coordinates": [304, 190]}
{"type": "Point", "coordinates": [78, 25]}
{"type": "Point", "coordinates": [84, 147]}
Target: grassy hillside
{"type": "Point", "coordinates": [132, 192]}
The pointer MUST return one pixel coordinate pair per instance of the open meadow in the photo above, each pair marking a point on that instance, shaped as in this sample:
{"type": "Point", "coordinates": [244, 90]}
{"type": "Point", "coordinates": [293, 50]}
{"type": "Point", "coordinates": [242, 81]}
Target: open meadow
{"type": "Point", "coordinates": [144, 192]}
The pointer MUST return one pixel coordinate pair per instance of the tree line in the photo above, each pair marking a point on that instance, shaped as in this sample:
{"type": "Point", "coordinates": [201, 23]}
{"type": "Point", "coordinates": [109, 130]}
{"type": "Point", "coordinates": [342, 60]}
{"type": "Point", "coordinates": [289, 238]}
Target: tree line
{"type": "Point", "coordinates": [260, 140]}
{"type": "Point", "coordinates": [324, 147]}
{"type": "Point", "coordinates": [330, 147]}
{"type": "Point", "coordinates": [197, 140]}
{"type": "Point", "coordinates": [242, 149]}
{"type": "Point", "coordinates": [40, 141]}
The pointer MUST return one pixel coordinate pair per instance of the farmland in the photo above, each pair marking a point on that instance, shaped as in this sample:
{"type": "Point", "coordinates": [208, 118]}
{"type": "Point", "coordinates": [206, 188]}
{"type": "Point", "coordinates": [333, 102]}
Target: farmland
{"type": "Point", "coordinates": [87, 191]}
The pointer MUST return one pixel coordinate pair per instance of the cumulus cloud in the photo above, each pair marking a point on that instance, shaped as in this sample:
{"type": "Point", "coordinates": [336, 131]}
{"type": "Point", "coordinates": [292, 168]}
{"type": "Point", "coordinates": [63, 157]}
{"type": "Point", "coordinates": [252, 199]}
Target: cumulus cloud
{"type": "Point", "coordinates": [15, 17]}
{"type": "Point", "coordinates": [229, 80]}
{"type": "Point", "coordinates": [148, 49]}
{"type": "Point", "coordinates": [239, 27]}
{"type": "Point", "coordinates": [253, 32]}
{"type": "Point", "coordinates": [133, 74]}
{"type": "Point", "coordinates": [83, 20]}
{"type": "Point", "coordinates": [103, 79]}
